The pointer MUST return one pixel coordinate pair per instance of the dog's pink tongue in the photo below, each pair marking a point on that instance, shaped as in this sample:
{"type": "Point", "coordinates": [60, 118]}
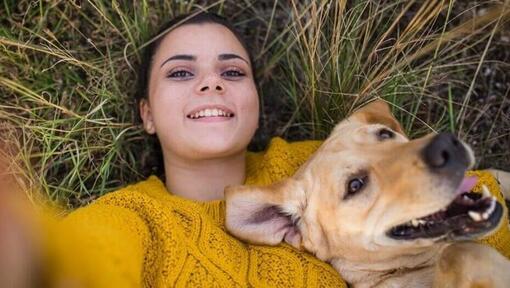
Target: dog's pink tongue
{"type": "Point", "coordinates": [467, 184]}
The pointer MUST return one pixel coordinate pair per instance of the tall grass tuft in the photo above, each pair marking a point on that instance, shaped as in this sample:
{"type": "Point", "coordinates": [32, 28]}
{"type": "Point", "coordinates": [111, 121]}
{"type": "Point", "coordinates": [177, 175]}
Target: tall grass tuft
{"type": "Point", "coordinates": [68, 75]}
{"type": "Point", "coordinates": [337, 55]}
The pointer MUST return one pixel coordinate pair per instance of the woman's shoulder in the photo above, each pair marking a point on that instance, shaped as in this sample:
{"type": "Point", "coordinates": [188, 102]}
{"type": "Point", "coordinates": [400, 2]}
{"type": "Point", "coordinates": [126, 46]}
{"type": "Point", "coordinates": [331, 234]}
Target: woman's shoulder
{"type": "Point", "coordinates": [150, 193]}
{"type": "Point", "coordinates": [279, 160]}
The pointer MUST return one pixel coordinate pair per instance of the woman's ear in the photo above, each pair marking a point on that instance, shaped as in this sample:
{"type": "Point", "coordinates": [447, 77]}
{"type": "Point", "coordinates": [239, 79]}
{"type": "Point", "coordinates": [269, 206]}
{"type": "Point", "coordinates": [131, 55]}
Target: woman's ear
{"type": "Point", "coordinates": [265, 215]}
{"type": "Point", "coordinates": [146, 115]}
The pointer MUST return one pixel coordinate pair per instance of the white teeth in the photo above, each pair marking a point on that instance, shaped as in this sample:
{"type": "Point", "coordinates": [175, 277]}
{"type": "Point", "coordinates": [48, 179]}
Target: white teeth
{"type": "Point", "coordinates": [489, 211]}
{"type": "Point", "coordinates": [485, 191]}
{"type": "Point", "coordinates": [416, 222]}
{"type": "Point", "coordinates": [492, 207]}
{"type": "Point", "coordinates": [475, 216]}
{"type": "Point", "coordinates": [210, 113]}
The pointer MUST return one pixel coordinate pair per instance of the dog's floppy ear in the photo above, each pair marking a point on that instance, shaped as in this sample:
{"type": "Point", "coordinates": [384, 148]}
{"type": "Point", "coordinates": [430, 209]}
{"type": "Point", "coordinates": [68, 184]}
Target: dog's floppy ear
{"type": "Point", "coordinates": [378, 111]}
{"type": "Point", "coordinates": [265, 215]}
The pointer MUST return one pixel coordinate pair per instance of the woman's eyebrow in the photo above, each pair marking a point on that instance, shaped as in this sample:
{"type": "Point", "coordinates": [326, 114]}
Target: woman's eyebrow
{"type": "Point", "coordinates": [229, 56]}
{"type": "Point", "coordinates": [179, 57]}
{"type": "Point", "coordinates": [221, 57]}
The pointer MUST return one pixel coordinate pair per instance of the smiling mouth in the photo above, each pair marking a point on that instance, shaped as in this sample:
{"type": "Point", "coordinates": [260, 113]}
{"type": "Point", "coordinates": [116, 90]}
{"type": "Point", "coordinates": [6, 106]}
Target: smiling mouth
{"type": "Point", "coordinates": [469, 215]}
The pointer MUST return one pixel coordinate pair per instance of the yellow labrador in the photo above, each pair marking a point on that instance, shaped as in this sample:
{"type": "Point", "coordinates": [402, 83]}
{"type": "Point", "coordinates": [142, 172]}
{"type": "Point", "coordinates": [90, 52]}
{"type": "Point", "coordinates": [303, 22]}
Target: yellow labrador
{"type": "Point", "coordinates": [380, 208]}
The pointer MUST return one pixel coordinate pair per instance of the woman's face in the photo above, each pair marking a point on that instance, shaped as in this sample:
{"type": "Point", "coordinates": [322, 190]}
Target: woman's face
{"type": "Point", "coordinates": [202, 101]}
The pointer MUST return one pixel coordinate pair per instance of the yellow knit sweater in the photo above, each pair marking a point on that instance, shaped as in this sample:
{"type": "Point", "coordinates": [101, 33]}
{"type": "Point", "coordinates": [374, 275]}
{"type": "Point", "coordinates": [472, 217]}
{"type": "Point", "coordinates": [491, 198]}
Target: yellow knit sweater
{"type": "Point", "coordinates": [142, 235]}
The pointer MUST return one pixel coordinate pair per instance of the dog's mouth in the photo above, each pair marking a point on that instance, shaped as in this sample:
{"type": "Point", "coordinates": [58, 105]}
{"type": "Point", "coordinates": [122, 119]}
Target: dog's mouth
{"type": "Point", "coordinates": [469, 215]}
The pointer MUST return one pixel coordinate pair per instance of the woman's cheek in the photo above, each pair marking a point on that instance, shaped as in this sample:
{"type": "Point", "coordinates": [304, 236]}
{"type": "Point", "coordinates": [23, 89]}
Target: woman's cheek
{"type": "Point", "coordinates": [168, 110]}
{"type": "Point", "coordinates": [255, 105]}
{"type": "Point", "coordinates": [251, 110]}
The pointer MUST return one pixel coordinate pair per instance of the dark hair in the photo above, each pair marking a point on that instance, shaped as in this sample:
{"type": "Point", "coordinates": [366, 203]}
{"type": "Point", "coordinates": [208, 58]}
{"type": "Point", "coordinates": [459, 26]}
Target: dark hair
{"type": "Point", "coordinates": [152, 48]}
{"type": "Point", "coordinates": [152, 159]}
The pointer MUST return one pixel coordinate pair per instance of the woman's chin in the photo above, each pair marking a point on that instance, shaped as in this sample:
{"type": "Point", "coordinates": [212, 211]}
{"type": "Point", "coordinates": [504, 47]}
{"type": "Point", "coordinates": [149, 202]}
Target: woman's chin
{"type": "Point", "coordinates": [214, 147]}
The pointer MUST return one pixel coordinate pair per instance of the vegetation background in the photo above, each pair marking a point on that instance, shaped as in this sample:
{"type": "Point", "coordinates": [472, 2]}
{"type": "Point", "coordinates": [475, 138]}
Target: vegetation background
{"type": "Point", "coordinates": [68, 76]}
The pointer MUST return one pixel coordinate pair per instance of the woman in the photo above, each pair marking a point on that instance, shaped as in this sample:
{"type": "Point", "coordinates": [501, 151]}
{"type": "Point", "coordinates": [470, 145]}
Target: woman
{"type": "Point", "coordinates": [198, 96]}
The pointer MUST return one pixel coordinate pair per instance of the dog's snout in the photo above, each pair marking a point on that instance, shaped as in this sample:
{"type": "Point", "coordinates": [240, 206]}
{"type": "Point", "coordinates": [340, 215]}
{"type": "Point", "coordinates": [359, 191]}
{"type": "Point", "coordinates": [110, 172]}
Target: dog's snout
{"type": "Point", "coordinates": [445, 154]}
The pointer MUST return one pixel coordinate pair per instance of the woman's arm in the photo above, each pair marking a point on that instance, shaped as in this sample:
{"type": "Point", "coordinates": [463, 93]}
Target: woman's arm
{"type": "Point", "coordinates": [96, 246]}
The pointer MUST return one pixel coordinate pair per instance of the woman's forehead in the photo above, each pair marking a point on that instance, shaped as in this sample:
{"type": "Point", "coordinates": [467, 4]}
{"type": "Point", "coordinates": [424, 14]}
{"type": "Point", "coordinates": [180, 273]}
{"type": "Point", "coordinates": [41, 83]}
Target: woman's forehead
{"type": "Point", "coordinates": [200, 40]}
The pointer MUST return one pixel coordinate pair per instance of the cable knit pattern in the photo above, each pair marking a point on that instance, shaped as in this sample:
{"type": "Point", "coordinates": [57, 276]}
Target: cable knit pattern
{"type": "Point", "coordinates": [142, 235]}
{"type": "Point", "coordinates": [500, 239]}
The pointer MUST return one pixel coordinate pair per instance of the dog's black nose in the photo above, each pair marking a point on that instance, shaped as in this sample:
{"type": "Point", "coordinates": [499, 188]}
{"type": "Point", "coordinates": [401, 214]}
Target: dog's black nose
{"type": "Point", "coordinates": [445, 154]}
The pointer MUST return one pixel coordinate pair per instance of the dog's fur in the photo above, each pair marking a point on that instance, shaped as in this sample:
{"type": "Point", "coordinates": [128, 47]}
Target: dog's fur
{"type": "Point", "coordinates": [312, 210]}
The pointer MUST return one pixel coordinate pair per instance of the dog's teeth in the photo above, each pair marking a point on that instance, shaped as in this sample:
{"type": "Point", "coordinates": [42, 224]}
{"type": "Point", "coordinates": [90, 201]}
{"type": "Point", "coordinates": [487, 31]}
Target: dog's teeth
{"type": "Point", "coordinates": [492, 207]}
{"type": "Point", "coordinates": [475, 216]}
{"type": "Point", "coordinates": [485, 191]}
{"type": "Point", "coordinates": [485, 216]}
{"type": "Point", "coordinates": [415, 223]}
{"type": "Point", "coordinates": [421, 222]}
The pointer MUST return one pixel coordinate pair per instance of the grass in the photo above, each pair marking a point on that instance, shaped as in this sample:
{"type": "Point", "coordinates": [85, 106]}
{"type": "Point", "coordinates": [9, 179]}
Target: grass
{"type": "Point", "coordinates": [67, 77]}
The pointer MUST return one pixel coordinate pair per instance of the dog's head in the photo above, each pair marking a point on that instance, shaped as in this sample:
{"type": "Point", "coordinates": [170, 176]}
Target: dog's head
{"type": "Point", "coordinates": [368, 192]}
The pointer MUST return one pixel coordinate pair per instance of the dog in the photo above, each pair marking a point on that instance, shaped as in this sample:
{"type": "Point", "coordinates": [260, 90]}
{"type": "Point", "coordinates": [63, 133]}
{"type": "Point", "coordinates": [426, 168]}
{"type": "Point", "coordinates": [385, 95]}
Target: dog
{"type": "Point", "coordinates": [384, 211]}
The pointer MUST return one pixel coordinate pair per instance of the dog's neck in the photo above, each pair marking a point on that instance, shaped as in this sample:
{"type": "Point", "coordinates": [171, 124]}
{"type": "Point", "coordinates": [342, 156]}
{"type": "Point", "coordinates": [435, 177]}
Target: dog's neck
{"type": "Point", "coordinates": [395, 270]}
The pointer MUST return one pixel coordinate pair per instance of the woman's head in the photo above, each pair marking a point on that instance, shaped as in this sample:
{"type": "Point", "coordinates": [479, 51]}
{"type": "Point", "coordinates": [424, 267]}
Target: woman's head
{"type": "Point", "coordinates": [197, 90]}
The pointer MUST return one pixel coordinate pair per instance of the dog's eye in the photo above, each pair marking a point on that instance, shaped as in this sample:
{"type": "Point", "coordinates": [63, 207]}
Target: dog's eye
{"type": "Point", "coordinates": [385, 134]}
{"type": "Point", "coordinates": [355, 185]}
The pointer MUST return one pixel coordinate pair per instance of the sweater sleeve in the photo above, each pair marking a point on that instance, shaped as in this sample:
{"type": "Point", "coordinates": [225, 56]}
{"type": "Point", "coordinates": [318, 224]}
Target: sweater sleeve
{"type": "Point", "coordinates": [95, 238]}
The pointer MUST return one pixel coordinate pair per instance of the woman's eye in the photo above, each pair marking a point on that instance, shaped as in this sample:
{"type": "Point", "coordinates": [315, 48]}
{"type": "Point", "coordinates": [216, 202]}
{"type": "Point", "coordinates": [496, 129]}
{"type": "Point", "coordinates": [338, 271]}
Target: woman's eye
{"type": "Point", "coordinates": [179, 74]}
{"type": "Point", "coordinates": [233, 73]}
{"type": "Point", "coordinates": [355, 185]}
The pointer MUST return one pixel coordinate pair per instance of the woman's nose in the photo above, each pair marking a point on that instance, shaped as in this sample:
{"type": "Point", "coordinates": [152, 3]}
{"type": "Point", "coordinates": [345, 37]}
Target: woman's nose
{"type": "Point", "coordinates": [206, 87]}
{"type": "Point", "coordinates": [211, 83]}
